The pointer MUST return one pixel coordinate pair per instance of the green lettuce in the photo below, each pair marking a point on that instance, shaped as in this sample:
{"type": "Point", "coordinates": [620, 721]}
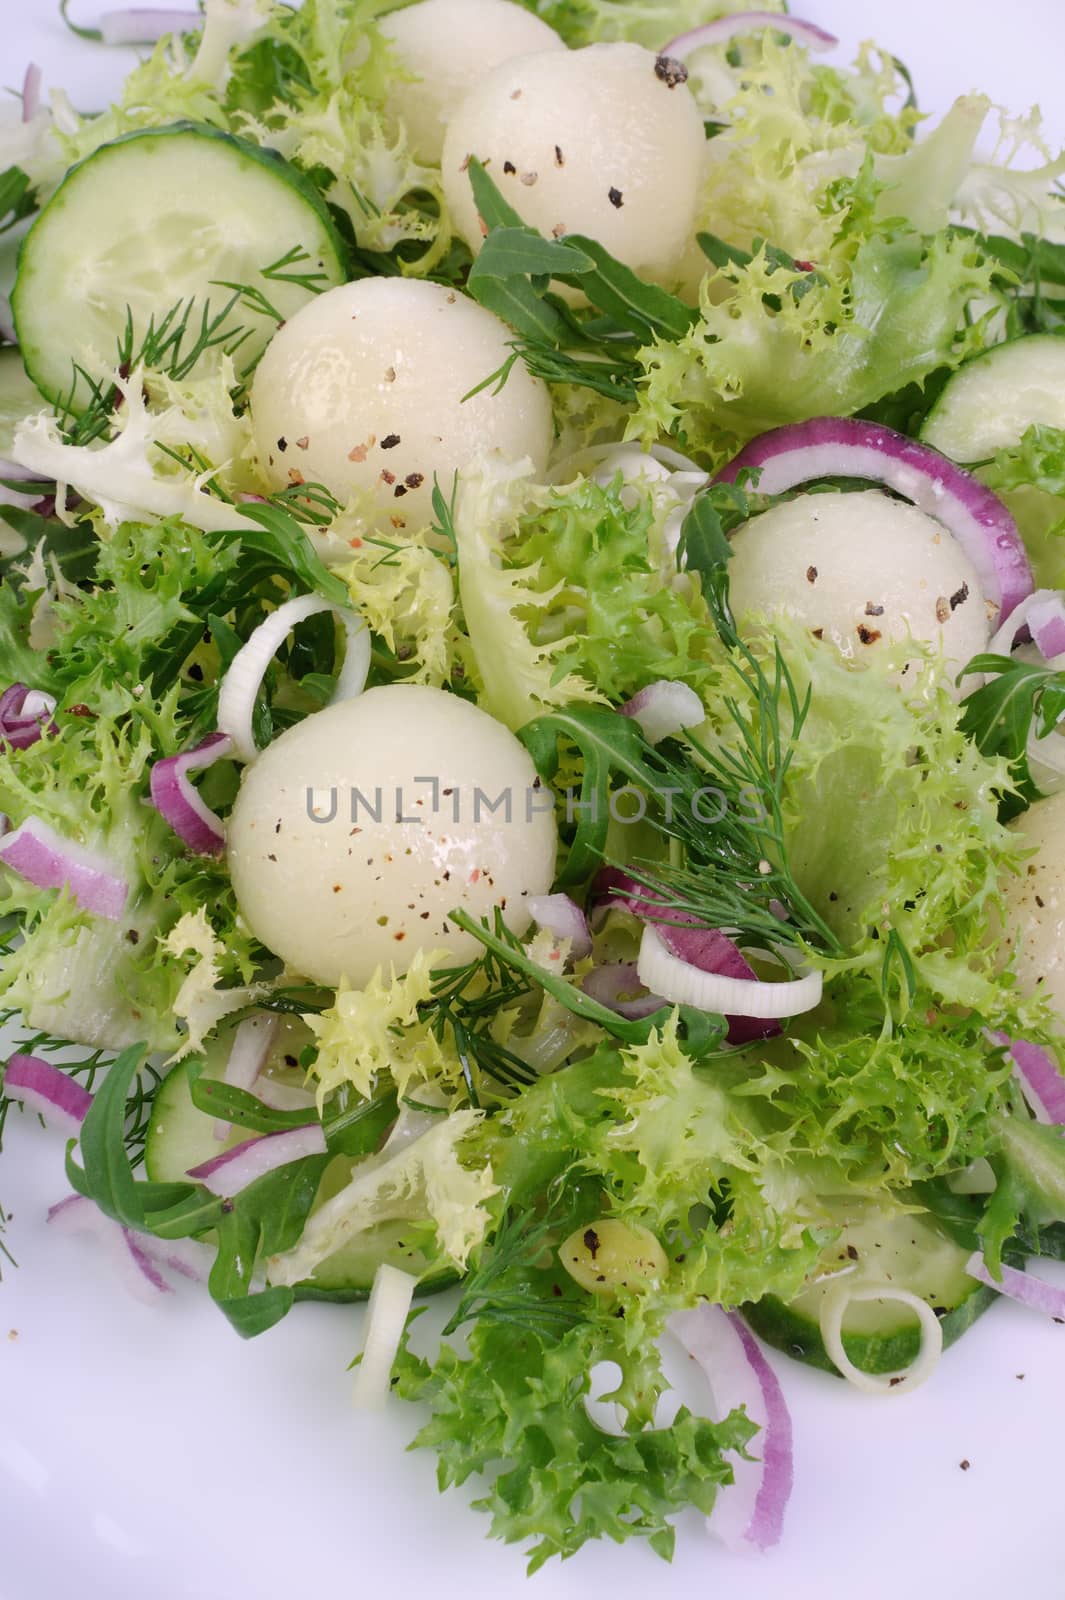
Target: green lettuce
{"type": "Point", "coordinates": [1030, 478]}
{"type": "Point", "coordinates": [777, 343]}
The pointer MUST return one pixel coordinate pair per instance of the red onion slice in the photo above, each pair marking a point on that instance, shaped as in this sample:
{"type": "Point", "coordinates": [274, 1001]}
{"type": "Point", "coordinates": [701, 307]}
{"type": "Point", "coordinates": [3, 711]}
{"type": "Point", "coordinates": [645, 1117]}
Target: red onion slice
{"type": "Point", "coordinates": [846, 447]}
{"type": "Point", "coordinates": [180, 803]}
{"type": "Point", "coordinates": [236, 697]}
{"type": "Point", "coordinates": [1039, 1076]}
{"type": "Point", "coordinates": [1015, 629]}
{"type": "Point", "coordinates": [31, 92]}
{"type": "Point", "coordinates": [724, 29]}
{"type": "Point", "coordinates": [1046, 622]}
{"type": "Point", "coordinates": [234, 1169]}
{"type": "Point", "coordinates": [750, 1512]}
{"type": "Point", "coordinates": [59, 1099]}
{"type": "Point", "coordinates": [142, 1277]}
{"type": "Point", "coordinates": [39, 854]}
{"type": "Point", "coordinates": [703, 950]}
{"type": "Point", "coordinates": [1024, 1287]}
{"type": "Point", "coordinates": [665, 709]}
{"type": "Point", "coordinates": [563, 919]}
{"type": "Point", "coordinates": [145, 25]}
{"type": "Point", "coordinates": [24, 715]}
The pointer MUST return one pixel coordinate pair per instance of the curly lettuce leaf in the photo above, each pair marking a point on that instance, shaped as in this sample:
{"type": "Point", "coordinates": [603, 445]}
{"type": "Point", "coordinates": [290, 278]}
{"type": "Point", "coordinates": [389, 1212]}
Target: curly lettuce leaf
{"type": "Point", "coordinates": [648, 22]}
{"type": "Point", "coordinates": [1030, 478]}
{"type": "Point", "coordinates": [406, 592]}
{"type": "Point", "coordinates": [513, 1410]}
{"type": "Point", "coordinates": [517, 677]}
{"type": "Point", "coordinates": [598, 562]}
{"type": "Point", "coordinates": [422, 1177]}
{"type": "Point", "coordinates": [374, 1036]}
{"type": "Point", "coordinates": [776, 343]}
{"type": "Point", "coordinates": [893, 821]}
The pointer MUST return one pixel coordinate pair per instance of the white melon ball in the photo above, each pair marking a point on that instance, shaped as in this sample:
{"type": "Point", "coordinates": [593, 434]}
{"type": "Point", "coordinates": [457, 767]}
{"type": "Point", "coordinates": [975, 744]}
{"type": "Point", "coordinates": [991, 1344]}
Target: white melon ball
{"type": "Point", "coordinates": [449, 46]}
{"type": "Point", "coordinates": [362, 390]}
{"type": "Point", "coordinates": [606, 141]}
{"type": "Point", "coordinates": [1035, 904]}
{"type": "Point", "coordinates": [359, 829]}
{"type": "Point", "coordinates": [862, 570]}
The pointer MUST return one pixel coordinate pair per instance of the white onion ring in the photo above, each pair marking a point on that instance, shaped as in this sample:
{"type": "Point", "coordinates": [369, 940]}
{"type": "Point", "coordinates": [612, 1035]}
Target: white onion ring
{"type": "Point", "coordinates": [236, 698]}
{"type": "Point", "coordinates": [834, 1308]}
{"type": "Point", "coordinates": [681, 983]}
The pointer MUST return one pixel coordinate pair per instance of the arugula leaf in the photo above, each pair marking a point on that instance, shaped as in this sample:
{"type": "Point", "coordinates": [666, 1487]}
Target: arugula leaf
{"type": "Point", "coordinates": [107, 1177]}
{"type": "Point", "coordinates": [511, 277]}
{"type": "Point", "coordinates": [1001, 716]}
{"type": "Point", "coordinates": [235, 1105]}
{"type": "Point", "coordinates": [510, 252]}
{"type": "Point", "coordinates": [265, 1218]}
{"type": "Point", "coordinates": [17, 198]}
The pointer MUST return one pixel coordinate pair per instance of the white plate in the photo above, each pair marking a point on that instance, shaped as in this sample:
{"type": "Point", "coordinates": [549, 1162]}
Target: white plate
{"type": "Point", "coordinates": [148, 1454]}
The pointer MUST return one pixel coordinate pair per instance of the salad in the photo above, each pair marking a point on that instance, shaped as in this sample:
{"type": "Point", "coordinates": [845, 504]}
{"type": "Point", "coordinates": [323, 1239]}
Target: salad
{"type": "Point", "coordinates": [531, 659]}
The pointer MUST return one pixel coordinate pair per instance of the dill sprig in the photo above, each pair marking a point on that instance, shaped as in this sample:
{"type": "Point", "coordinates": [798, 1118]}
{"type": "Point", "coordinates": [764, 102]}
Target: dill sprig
{"type": "Point", "coordinates": [735, 872]}
{"type": "Point", "coordinates": [171, 345]}
{"type": "Point", "coordinates": [87, 1069]}
{"type": "Point", "coordinates": [465, 1002]}
{"type": "Point", "coordinates": [504, 1287]}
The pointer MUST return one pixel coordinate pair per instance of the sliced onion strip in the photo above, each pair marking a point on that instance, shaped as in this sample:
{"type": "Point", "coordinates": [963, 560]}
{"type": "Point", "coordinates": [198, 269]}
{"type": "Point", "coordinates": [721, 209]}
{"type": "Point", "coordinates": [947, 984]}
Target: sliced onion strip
{"type": "Point", "coordinates": [232, 1171]}
{"type": "Point", "coordinates": [846, 447]}
{"type": "Point", "coordinates": [563, 918]}
{"type": "Point", "coordinates": [31, 92]}
{"type": "Point", "coordinates": [25, 714]}
{"type": "Point", "coordinates": [683, 984]}
{"type": "Point", "coordinates": [180, 803]}
{"type": "Point", "coordinates": [46, 1089]}
{"type": "Point", "coordinates": [252, 1043]}
{"type": "Point", "coordinates": [386, 1318]}
{"type": "Point", "coordinates": [724, 29]}
{"type": "Point", "coordinates": [833, 1310]}
{"type": "Point", "coordinates": [1039, 1076]}
{"type": "Point", "coordinates": [1024, 1287]}
{"type": "Point", "coordinates": [139, 1272]}
{"type": "Point", "coordinates": [610, 982]}
{"type": "Point", "coordinates": [749, 1512]}
{"type": "Point", "coordinates": [40, 855]}
{"type": "Point", "coordinates": [665, 709]}
{"type": "Point", "coordinates": [146, 25]}
{"type": "Point", "coordinates": [236, 698]}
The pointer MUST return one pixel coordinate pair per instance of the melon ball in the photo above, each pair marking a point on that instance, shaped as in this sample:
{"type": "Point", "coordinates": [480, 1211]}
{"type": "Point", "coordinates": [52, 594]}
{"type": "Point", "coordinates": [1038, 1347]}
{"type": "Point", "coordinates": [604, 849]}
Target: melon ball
{"type": "Point", "coordinates": [357, 831]}
{"type": "Point", "coordinates": [1035, 903]}
{"type": "Point", "coordinates": [606, 141]}
{"type": "Point", "coordinates": [863, 570]}
{"type": "Point", "coordinates": [449, 46]}
{"type": "Point", "coordinates": [362, 390]}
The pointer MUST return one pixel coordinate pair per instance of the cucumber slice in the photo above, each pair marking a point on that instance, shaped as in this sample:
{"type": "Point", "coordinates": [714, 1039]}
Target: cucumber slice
{"type": "Point", "coordinates": [992, 400]}
{"type": "Point", "coordinates": [181, 1136]}
{"type": "Point", "coordinates": [19, 398]}
{"type": "Point", "coordinates": [157, 217]}
{"type": "Point", "coordinates": [879, 1335]}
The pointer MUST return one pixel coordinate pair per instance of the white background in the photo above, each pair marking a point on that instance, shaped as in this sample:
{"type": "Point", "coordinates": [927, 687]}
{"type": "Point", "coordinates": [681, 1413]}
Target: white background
{"type": "Point", "coordinates": [147, 1454]}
